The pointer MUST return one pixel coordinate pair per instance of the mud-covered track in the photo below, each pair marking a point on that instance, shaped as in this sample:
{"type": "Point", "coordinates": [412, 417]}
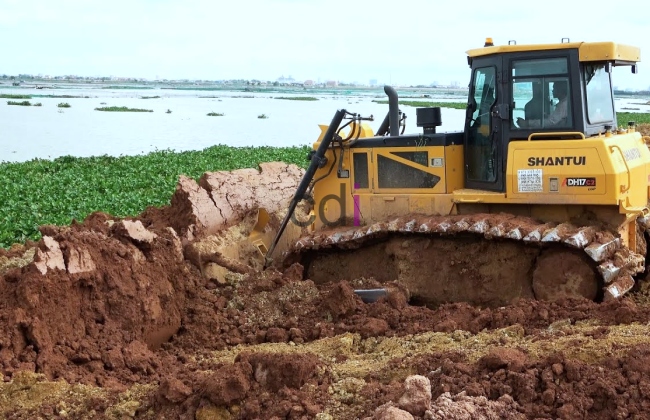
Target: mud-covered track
{"type": "Point", "coordinates": [614, 263]}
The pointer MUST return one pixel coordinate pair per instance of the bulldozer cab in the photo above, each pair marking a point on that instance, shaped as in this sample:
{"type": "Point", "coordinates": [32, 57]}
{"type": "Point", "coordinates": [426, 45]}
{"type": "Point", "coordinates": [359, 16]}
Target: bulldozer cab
{"type": "Point", "coordinates": [551, 91]}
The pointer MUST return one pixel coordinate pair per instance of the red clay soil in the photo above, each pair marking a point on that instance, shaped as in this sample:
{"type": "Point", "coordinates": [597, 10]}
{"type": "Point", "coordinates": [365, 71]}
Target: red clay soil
{"type": "Point", "coordinates": [130, 307]}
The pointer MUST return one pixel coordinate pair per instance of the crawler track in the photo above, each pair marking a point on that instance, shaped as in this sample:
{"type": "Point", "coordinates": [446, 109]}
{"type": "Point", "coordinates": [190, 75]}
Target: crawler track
{"type": "Point", "coordinates": [489, 259]}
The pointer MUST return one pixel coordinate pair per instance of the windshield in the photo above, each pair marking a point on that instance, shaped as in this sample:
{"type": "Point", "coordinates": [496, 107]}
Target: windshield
{"type": "Point", "coordinates": [600, 103]}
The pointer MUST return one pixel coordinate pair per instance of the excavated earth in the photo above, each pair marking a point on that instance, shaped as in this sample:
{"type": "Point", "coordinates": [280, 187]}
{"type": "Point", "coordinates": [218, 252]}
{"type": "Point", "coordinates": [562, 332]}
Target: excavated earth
{"type": "Point", "coordinates": [170, 315]}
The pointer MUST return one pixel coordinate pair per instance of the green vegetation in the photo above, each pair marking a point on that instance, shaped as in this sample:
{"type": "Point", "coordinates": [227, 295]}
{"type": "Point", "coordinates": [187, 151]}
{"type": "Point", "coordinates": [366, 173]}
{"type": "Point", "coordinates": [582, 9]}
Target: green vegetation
{"type": "Point", "coordinates": [262, 116]}
{"type": "Point", "coordinates": [127, 87]}
{"type": "Point", "coordinates": [149, 97]}
{"type": "Point", "coordinates": [59, 191]}
{"type": "Point", "coordinates": [297, 98]}
{"type": "Point", "coordinates": [38, 104]}
{"type": "Point", "coordinates": [23, 103]}
{"type": "Point", "coordinates": [424, 104]}
{"type": "Point", "coordinates": [11, 96]}
{"type": "Point", "coordinates": [59, 96]}
{"type": "Point", "coordinates": [63, 105]}
{"type": "Point", "coordinates": [637, 117]}
{"type": "Point", "coordinates": [215, 114]}
{"type": "Point", "coordinates": [195, 88]}
{"type": "Point", "coordinates": [122, 109]}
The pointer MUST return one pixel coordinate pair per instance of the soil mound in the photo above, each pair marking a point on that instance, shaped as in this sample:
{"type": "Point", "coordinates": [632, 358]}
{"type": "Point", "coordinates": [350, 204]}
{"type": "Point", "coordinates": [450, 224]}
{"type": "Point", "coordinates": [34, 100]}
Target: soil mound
{"type": "Point", "coordinates": [169, 315]}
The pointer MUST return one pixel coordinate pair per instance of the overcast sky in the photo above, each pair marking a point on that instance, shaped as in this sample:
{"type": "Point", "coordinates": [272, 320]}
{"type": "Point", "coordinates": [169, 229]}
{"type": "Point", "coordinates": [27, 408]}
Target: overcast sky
{"type": "Point", "coordinates": [399, 42]}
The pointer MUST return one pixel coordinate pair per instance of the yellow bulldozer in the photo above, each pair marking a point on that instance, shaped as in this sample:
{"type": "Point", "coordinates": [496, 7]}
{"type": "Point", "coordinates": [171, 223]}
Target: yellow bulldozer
{"type": "Point", "coordinates": [542, 195]}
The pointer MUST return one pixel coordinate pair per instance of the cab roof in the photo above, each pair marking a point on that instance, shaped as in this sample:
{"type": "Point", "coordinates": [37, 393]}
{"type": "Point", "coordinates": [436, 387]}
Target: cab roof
{"type": "Point", "coordinates": [587, 51]}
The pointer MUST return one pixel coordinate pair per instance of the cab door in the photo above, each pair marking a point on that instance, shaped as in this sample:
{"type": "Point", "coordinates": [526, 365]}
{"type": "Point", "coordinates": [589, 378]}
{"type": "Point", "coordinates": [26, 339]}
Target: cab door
{"type": "Point", "coordinates": [483, 156]}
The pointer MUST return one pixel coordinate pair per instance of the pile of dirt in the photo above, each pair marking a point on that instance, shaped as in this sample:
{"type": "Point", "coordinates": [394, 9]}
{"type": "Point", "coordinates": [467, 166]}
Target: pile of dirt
{"type": "Point", "coordinates": [644, 129]}
{"type": "Point", "coordinates": [169, 315]}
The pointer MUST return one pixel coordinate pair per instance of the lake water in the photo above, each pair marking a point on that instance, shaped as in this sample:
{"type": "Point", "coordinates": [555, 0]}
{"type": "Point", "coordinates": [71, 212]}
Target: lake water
{"type": "Point", "coordinates": [48, 132]}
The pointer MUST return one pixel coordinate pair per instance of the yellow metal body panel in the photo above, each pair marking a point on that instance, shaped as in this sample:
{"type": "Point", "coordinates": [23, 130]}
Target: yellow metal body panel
{"type": "Point", "coordinates": [470, 196]}
{"type": "Point", "coordinates": [363, 202]}
{"type": "Point", "coordinates": [362, 130]}
{"type": "Point", "coordinates": [454, 167]}
{"type": "Point", "coordinates": [588, 51]}
{"type": "Point", "coordinates": [606, 170]}
{"type": "Point", "coordinates": [598, 170]}
{"type": "Point", "coordinates": [607, 51]}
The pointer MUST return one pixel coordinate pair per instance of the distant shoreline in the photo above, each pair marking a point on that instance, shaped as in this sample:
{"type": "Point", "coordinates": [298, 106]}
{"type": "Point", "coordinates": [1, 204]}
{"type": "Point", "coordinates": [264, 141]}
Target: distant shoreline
{"type": "Point", "coordinates": [243, 86]}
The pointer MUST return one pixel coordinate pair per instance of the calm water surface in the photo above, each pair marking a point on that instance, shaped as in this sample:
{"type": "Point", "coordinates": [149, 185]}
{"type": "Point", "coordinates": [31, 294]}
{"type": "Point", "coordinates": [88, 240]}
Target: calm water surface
{"type": "Point", "coordinates": [48, 132]}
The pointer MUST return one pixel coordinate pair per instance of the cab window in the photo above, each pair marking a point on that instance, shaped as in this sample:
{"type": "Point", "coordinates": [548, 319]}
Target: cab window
{"type": "Point", "coordinates": [541, 94]}
{"type": "Point", "coordinates": [600, 103]}
{"type": "Point", "coordinates": [480, 149]}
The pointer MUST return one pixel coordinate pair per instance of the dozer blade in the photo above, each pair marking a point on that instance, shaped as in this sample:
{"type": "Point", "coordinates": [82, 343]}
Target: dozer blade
{"type": "Point", "coordinates": [265, 231]}
{"type": "Point", "coordinates": [260, 236]}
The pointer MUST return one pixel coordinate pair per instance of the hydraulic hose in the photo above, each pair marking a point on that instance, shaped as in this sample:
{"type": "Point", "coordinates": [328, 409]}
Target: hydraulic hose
{"type": "Point", "coordinates": [317, 159]}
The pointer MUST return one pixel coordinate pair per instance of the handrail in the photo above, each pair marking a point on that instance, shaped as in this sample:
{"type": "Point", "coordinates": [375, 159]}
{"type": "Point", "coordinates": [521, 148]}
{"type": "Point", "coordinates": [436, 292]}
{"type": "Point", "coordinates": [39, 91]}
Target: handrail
{"type": "Point", "coordinates": [557, 133]}
{"type": "Point", "coordinates": [629, 175]}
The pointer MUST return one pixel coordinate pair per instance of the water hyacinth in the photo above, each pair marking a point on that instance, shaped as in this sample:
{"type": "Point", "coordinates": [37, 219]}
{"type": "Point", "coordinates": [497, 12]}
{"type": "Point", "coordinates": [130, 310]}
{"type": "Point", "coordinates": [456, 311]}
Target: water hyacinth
{"type": "Point", "coordinates": [40, 192]}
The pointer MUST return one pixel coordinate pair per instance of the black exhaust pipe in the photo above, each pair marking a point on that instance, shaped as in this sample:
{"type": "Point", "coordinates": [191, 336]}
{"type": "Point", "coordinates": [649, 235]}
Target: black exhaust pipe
{"type": "Point", "coordinates": [393, 110]}
{"type": "Point", "coordinates": [392, 117]}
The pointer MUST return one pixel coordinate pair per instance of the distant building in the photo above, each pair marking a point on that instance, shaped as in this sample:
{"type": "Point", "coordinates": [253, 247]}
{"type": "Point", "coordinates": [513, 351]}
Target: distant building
{"type": "Point", "coordinates": [373, 82]}
{"type": "Point", "coordinates": [331, 83]}
{"type": "Point", "coordinates": [283, 79]}
{"type": "Point", "coordinates": [308, 83]}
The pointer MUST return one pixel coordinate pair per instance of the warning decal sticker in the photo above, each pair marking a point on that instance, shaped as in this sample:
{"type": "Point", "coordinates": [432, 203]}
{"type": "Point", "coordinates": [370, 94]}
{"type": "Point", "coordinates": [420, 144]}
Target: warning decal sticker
{"type": "Point", "coordinates": [530, 180]}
